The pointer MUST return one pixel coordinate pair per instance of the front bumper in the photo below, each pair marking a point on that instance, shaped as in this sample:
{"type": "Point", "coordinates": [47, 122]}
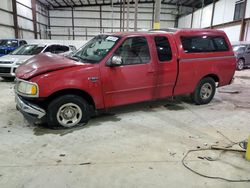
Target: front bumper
{"type": "Point", "coordinates": [7, 70]}
{"type": "Point", "coordinates": [28, 108]}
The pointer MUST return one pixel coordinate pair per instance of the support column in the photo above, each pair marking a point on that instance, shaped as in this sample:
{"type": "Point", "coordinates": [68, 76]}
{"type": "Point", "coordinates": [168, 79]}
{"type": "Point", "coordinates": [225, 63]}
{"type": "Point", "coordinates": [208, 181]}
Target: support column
{"type": "Point", "coordinates": [73, 22]}
{"type": "Point", "coordinates": [33, 7]}
{"type": "Point", "coordinates": [192, 18]}
{"type": "Point", "coordinates": [157, 14]}
{"type": "Point", "coordinates": [243, 22]}
{"type": "Point", "coordinates": [112, 21]}
{"type": "Point", "coordinates": [123, 15]}
{"type": "Point", "coordinates": [136, 12]}
{"type": "Point", "coordinates": [120, 16]}
{"type": "Point", "coordinates": [100, 19]}
{"type": "Point", "coordinates": [153, 14]}
{"type": "Point", "coordinates": [128, 5]}
{"type": "Point", "coordinates": [49, 28]}
{"type": "Point", "coordinates": [14, 9]}
{"type": "Point", "coordinates": [212, 18]}
{"type": "Point", "coordinates": [177, 17]}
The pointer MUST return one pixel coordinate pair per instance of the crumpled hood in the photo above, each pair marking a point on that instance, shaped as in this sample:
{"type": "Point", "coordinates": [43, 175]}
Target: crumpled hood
{"type": "Point", "coordinates": [43, 63]}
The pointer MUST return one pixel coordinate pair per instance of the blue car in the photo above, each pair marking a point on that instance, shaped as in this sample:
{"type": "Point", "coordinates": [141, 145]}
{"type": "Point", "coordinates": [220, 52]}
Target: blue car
{"type": "Point", "coordinates": [9, 45]}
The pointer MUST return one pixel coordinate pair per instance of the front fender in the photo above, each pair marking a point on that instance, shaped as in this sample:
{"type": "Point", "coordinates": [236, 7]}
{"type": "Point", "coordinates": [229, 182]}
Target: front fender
{"type": "Point", "coordinates": [71, 78]}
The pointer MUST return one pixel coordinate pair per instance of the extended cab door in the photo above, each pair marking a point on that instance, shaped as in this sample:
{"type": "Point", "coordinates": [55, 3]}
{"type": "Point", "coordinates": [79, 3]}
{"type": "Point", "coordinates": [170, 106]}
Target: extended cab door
{"type": "Point", "coordinates": [167, 69]}
{"type": "Point", "coordinates": [134, 80]}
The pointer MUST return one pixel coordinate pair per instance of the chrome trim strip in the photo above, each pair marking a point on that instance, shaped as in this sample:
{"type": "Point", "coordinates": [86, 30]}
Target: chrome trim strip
{"type": "Point", "coordinates": [205, 58]}
{"type": "Point", "coordinates": [29, 108]}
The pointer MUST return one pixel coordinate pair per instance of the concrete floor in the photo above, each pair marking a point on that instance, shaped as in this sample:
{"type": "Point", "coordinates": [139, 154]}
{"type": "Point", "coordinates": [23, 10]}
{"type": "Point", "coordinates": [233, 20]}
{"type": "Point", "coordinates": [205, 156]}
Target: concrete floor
{"type": "Point", "coordinates": [138, 146]}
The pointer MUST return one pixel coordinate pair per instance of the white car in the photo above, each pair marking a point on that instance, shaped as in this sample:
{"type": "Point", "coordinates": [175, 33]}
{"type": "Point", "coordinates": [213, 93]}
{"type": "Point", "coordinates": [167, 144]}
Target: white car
{"type": "Point", "coordinates": [10, 62]}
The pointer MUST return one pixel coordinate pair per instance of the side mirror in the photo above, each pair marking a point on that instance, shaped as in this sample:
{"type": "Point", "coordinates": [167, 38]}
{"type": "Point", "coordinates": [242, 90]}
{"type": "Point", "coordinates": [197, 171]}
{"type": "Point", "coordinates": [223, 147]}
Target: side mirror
{"type": "Point", "coordinates": [116, 61]}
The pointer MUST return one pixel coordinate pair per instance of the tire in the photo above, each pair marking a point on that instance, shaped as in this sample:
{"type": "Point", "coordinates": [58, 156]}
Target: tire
{"type": "Point", "coordinates": [68, 111]}
{"type": "Point", "coordinates": [204, 91]}
{"type": "Point", "coordinates": [10, 79]}
{"type": "Point", "coordinates": [240, 64]}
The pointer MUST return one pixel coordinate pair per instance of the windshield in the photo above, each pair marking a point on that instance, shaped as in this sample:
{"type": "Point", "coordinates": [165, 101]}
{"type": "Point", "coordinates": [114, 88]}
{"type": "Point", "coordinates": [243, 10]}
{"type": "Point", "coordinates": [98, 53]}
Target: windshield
{"type": "Point", "coordinates": [96, 49]}
{"type": "Point", "coordinates": [28, 50]}
{"type": "Point", "coordinates": [9, 43]}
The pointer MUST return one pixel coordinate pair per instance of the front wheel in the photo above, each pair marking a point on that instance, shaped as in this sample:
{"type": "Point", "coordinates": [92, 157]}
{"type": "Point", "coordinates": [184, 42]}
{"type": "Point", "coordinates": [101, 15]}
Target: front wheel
{"type": "Point", "coordinates": [240, 64]}
{"type": "Point", "coordinates": [204, 91]}
{"type": "Point", "coordinates": [68, 111]}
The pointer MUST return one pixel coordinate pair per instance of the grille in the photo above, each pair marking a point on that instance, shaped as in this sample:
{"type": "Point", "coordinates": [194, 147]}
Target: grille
{"type": "Point", "coordinates": [6, 62]}
{"type": "Point", "coordinates": [2, 51]}
{"type": "Point", "coordinates": [4, 70]}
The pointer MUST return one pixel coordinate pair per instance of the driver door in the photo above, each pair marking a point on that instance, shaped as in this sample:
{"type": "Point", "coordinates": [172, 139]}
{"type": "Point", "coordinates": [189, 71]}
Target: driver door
{"type": "Point", "coordinates": [134, 80]}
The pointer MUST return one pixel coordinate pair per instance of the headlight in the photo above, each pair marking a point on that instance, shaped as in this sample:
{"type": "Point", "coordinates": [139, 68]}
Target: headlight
{"type": "Point", "coordinates": [27, 88]}
{"type": "Point", "coordinates": [19, 62]}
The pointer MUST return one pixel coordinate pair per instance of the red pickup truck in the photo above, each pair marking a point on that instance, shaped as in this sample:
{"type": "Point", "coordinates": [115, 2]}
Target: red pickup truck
{"type": "Point", "coordinates": [123, 68]}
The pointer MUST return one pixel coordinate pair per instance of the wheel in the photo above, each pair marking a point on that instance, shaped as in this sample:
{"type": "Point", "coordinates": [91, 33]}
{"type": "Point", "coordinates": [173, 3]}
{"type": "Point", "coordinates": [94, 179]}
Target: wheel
{"type": "Point", "coordinates": [240, 64]}
{"type": "Point", "coordinates": [204, 91]}
{"type": "Point", "coordinates": [68, 111]}
{"type": "Point", "coordinates": [8, 78]}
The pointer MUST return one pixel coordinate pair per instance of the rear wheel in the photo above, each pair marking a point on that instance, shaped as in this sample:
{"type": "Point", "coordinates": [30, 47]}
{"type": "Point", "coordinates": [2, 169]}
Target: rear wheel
{"type": "Point", "coordinates": [240, 64]}
{"type": "Point", "coordinates": [68, 111]}
{"type": "Point", "coordinates": [204, 91]}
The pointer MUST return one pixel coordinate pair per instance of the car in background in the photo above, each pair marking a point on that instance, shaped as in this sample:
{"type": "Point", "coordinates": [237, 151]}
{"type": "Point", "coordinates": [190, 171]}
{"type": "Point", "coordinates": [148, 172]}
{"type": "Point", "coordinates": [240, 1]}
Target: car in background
{"type": "Point", "coordinates": [242, 53]}
{"type": "Point", "coordinates": [72, 49]}
{"type": "Point", "coordinates": [10, 62]}
{"type": "Point", "coordinates": [9, 45]}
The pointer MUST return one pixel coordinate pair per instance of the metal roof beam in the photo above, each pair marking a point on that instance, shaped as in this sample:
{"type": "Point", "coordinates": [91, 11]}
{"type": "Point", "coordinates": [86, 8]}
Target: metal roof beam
{"type": "Point", "coordinates": [73, 2]}
{"type": "Point", "coordinates": [81, 2]}
{"type": "Point", "coordinates": [65, 2]}
{"type": "Point", "coordinates": [49, 3]}
{"type": "Point", "coordinates": [57, 3]}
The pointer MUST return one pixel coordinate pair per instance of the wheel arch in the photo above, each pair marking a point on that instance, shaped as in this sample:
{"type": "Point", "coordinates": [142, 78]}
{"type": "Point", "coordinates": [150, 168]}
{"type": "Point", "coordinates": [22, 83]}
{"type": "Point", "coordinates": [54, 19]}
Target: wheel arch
{"type": "Point", "coordinates": [213, 76]}
{"type": "Point", "coordinates": [72, 91]}
{"type": "Point", "coordinates": [241, 58]}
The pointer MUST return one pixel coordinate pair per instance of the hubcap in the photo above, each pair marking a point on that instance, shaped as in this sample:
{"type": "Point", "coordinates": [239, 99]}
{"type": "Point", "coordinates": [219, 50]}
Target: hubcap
{"type": "Point", "coordinates": [240, 64]}
{"type": "Point", "coordinates": [69, 115]}
{"type": "Point", "coordinates": [206, 91]}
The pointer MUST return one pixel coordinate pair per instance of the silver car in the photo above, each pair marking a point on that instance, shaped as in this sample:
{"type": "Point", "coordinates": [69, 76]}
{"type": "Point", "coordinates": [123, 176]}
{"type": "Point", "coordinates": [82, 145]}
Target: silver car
{"type": "Point", "coordinates": [10, 62]}
{"type": "Point", "coordinates": [242, 53]}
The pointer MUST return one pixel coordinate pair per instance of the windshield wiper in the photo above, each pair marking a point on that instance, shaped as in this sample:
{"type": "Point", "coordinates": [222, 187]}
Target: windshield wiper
{"type": "Point", "coordinates": [84, 59]}
{"type": "Point", "coordinates": [73, 58]}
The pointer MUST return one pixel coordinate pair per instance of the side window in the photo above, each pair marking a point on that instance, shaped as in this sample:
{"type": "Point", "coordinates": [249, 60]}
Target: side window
{"type": "Point", "coordinates": [64, 48]}
{"type": "Point", "coordinates": [200, 44]}
{"type": "Point", "coordinates": [22, 42]}
{"type": "Point", "coordinates": [134, 50]}
{"type": "Point", "coordinates": [163, 47]}
{"type": "Point", "coordinates": [58, 49]}
{"type": "Point", "coordinates": [220, 44]}
{"type": "Point", "coordinates": [50, 49]}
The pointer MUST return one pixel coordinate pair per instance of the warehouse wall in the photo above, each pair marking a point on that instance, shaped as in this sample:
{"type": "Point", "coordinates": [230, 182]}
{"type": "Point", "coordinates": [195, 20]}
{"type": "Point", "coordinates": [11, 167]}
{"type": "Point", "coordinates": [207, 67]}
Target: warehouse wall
{"type": "Point", "coordinates": [42, 20]}
{"type": "Point", "coordinates": [87, 21]}
{"type": "Point", "coordinates": [24, 18]}
{"type": "Point", "coordinates": [223, 13]}
{"type": "Point", "coordinates": [6, 19]}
